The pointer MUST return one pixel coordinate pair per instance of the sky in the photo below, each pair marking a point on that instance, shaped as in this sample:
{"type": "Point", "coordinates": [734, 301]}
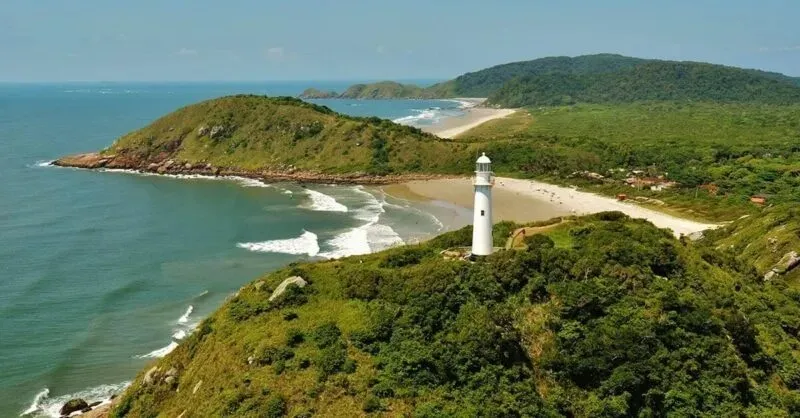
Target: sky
{"type": "Point", "coordinates": [260, 40]}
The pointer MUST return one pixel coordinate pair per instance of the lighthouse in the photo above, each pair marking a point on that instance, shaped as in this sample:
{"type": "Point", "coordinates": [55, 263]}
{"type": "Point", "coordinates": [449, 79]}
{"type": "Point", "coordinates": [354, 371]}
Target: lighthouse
{"type": "Point", "coordinates": [482, 218]}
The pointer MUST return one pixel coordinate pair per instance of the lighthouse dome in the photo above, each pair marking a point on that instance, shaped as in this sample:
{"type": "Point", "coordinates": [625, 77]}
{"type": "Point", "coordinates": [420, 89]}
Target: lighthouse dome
{"type": "Point", "coordinates": [483, 159]}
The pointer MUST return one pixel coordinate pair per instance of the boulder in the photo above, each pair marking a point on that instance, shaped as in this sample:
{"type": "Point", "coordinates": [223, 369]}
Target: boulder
{"type": "Point", "coordinates": [87, 409]}
{"type": "Point", "coordinates": [259, 284]}
{"type": "Point", "coordinates": [150, 377]}
{"type": "Point", "coordinates": [187, 166]}
{"type": "Point", "coordinates": [95, 403]}
{"type": "Point", "coordinates": [788, 262]}
{"type": "Point", "coordinates": [73, 405]}
{"type": "Point", "coordinates": [769, 276]}
{"type": "Point", "coordinates": [202, 131]}
{"type": "Point", "coordinates": [170, 380]}
{"type": "Point", "coordinates": [216, 131]}
{"type": "Point", "coordinates": [294, 280]}
{"type": "Point", "coordinates": [171, 372]}
{"type": "Point", "coordinates": [152, 167]}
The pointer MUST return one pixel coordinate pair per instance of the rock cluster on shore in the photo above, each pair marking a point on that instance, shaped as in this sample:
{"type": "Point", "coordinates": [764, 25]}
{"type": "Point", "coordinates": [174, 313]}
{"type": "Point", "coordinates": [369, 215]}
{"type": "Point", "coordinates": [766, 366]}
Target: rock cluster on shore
{"type": "Point", "coordinates": [282, 172]}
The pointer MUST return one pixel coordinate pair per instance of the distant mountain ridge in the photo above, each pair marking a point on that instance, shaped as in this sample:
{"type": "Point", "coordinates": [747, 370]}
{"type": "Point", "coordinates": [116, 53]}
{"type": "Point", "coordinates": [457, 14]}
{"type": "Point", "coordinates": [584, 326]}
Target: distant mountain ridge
{"type": "Point", "coordinates": [599, 78]}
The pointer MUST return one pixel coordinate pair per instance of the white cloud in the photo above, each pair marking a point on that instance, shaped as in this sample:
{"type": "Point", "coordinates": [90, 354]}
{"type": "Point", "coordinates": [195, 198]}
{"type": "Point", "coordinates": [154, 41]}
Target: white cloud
{"type": "Point", "coordinates": [186, 52]}
{"type": "Point", "coordinates": [275, 53]}
{"type": "Point", "coordinates": [779, 49]}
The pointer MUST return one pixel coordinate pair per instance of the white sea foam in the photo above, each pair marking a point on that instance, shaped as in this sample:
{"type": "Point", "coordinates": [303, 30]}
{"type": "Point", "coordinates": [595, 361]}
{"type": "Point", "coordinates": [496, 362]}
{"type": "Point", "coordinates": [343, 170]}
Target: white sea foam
{"type": "Point", "coordinates": [366, 238]}
{"type": "Point", "coordinates": [244, 181]}
{"type": "Point", "coordinates": [161, 352]}
{"type": "Point", "coordinates": [45, 163]}
{"type": "Point", "coordinates": [432, 114]}
{"type": "Point", "coordinates": [306, 243]}
{"type": "Point", "coordinates": [45, 406]}
{"type": "Point", "coordinates": [322, 202]}
{"type": "Point", "coordinates": [287, 192]}
{"type": "Point", "coordinates": [37, 400]}
{"type": "Point", "coordinates": [179, 334]}
{"type": "Point", "coordinates": [185, 317]}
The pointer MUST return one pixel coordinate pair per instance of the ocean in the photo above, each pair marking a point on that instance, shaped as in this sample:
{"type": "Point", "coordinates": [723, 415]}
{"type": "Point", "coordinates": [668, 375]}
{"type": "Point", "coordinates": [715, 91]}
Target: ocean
{"type": "Point", "coordinates": [101, 272]}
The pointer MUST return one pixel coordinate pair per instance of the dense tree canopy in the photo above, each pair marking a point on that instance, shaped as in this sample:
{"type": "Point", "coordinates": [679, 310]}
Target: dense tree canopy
{"type": "Point", "coordinates": [616, 319]}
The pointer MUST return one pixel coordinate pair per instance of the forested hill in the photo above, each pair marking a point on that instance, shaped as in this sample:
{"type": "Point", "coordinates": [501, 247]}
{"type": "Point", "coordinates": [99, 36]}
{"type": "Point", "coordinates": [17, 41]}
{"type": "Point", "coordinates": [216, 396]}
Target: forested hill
{"type": "Point", "coordinates": [267, 135]}
{"type": "Point", "coordinates": [600, 316]}
{"type": "Point", "coordinates": [599, 78]}
{"type": "Point", "coordinates": [650, 81]}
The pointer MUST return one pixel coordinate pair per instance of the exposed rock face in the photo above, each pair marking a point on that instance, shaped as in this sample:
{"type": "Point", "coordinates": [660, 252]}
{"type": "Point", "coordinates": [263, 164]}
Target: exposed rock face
{"type": "Point", "coordinates": [787, 263]}
{"type": "Point", "coordinates": [150, 377]}
{"type": "Point", "coordinates": [202, 131]}
{"type": "Point", "coordinates": [162, 164]}
{"type": "Point", "coordinates": [295, 280]}
{"type": "Point", "coordinates": [216, 131]}
{"type": "Point", "coordinates": [73, 405]}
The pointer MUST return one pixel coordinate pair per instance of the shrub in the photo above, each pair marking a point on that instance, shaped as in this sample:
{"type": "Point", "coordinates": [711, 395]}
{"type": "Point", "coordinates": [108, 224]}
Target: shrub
{"type": "Point", "coordinates": [331, 360]}
{"type": "Point", "coordinates": [405, 256]}
{"type": "Point", "coordinates": [361, 283]}
{"type": "Point", "coordinates": [289, 316]}
{"type": "Point", "coordinates": [326, 335]}
{"type": "Point", "coordinates": [270, 354]}
{"type": "Point", "coordinates": [372, 404]}
{"type": "Point", "coordinates": [294, 337]}
{"type": "Point", "coordinates": [349, 366]}
{"type": "Point", "coordinates": [275, 407]}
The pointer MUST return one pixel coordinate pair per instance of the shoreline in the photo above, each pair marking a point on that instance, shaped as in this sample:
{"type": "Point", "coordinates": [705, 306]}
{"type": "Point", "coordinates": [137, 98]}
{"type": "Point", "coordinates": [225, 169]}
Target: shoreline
{"type": "Point", "coordinates": [474, 116]}
{"type": "Point", "coordinates": [529, 200]}
{"type": "Point", "coordinates": [98, 162]}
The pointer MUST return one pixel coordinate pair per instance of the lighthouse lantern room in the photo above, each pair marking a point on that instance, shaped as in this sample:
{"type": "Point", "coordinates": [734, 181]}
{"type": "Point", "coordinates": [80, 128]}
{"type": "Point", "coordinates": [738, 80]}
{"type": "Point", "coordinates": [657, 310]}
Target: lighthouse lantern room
{"type": "Point", "coordinates": [482, 218]}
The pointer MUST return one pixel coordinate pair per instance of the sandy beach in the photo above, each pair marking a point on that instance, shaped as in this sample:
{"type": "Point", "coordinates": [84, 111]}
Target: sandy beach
{"type": "Point", "coordinates": [472, 117]}
{"type": "Point", "coordinates": [527, 200]}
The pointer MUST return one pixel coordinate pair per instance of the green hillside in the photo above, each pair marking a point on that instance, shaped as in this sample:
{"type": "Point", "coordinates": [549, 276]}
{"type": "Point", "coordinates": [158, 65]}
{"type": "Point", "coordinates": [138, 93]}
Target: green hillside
{"type": "Point", "coordinates": [648, 81]}
{"type": "Point", "coordinates": [599, 78]}
{"type": "Point", "coordinates": [720, 154]}
{"type": "Point", "coordinates": [610, 317]}
{"type": "Point", "coordinates": [486, 82]}
{"type": "Point", "coordinates": [384, 90]}
{"type": "Point", "coordinates": [260, 133]}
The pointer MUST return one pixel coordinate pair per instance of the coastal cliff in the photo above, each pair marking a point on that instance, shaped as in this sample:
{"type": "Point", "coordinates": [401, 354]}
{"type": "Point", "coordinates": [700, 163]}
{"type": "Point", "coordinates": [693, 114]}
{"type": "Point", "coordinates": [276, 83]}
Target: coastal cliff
{"type": "Point", "coordinates": [278, 139]}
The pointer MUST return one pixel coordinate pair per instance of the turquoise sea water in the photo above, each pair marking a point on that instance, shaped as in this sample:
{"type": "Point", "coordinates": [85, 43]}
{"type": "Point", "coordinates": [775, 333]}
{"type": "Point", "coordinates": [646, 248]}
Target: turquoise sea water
{"type": "Point", "coordinates": [100, 272]}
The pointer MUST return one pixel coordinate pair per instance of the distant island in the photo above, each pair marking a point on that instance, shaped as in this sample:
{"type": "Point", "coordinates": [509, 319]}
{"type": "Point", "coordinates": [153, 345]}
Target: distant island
{"type": "Point", "coordinates": [600, 78]}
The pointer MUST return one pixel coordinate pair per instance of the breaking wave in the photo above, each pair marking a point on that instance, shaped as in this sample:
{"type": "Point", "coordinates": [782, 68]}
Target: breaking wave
{"type": "Point", "coordinates": [161, 352]}
{"type": "Point", "coordinates": [306, 243]}
{"type": "Point", "coordinates": [243, 181]}
{"type": "Point", "coordinates": [322, 202]}
{"type": "Point", "coordinates": [366, 238]}
{"type": "Point", "coordinates": [45, 406]}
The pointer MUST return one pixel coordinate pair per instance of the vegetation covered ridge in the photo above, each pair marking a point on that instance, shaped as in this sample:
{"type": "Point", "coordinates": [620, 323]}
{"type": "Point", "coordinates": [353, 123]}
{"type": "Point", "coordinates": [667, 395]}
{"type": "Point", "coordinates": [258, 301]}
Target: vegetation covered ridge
{"type": "Point", "coordinates": [600, 316]}
{"type": "Point", "coordinates": [598, 78]}
{"type": "Point", "coordinates": [279, 138]}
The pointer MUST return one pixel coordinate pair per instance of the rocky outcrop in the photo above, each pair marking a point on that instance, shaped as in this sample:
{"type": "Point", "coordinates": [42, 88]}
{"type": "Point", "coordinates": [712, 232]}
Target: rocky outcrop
{"type": "Point", "coordinates": [294, 280]}
{"type": "Point", "coordinates": [73, 405]}
{"type": "Point", "coordinates": [787, 263]}
{"type": "Point", "coordinates": [282, 172]}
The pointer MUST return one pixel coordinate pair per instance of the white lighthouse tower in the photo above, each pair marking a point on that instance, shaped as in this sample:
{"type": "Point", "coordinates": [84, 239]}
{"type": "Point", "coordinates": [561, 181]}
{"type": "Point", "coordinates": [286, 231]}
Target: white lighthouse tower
{"type": "Point", "coordinates": [482, 218]}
